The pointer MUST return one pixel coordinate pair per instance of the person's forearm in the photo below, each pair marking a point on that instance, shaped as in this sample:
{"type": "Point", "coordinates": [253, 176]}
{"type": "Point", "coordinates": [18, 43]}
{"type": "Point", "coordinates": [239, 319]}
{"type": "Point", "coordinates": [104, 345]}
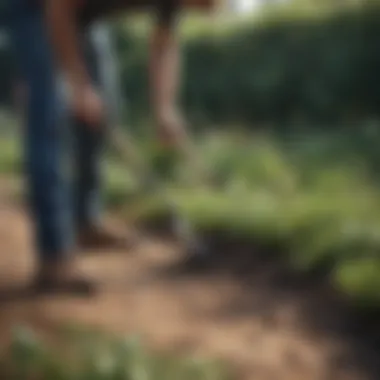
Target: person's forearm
{"type": "Point", "coordinates": [61, 23]}
{"type": "Point", "coordinates": [164, 71]}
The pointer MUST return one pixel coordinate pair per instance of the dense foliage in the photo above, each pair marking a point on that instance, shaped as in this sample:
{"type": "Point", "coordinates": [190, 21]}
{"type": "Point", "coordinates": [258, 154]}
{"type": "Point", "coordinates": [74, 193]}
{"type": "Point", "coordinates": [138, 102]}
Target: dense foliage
{"type": "Point", "coordinates": [289, 66]}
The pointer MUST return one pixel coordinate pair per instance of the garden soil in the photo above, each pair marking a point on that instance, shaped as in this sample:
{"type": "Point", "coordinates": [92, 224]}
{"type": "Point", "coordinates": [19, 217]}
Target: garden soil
{"type": "Point", "coordinates": [264, 327]}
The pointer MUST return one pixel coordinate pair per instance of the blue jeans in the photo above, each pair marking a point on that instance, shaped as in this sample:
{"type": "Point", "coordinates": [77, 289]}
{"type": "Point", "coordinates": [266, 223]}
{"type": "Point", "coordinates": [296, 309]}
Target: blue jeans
{"type": "Point", "coordinates": [61, 201]}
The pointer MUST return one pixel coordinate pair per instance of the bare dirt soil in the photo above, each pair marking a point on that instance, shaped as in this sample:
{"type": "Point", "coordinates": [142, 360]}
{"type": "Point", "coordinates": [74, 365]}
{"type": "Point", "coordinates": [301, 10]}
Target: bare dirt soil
{"type": "Point", "coordinates": [266, 325]}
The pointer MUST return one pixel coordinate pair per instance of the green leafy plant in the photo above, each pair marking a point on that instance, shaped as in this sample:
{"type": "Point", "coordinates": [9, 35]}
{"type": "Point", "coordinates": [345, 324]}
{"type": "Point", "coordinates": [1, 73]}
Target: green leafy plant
{"type": "Point", "coordinates": [87, 355]}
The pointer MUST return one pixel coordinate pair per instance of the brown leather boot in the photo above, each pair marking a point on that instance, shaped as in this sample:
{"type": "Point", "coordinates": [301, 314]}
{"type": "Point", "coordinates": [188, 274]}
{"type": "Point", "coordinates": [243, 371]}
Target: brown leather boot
{"type": "Point", "coordinates": [62, 277]}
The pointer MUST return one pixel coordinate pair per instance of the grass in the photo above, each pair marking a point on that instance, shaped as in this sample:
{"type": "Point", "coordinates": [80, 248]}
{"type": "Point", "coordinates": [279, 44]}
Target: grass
{"type": "Point", "coordinates": [9, 157]}
{"type": "Point", "coordinates": [89, 355]}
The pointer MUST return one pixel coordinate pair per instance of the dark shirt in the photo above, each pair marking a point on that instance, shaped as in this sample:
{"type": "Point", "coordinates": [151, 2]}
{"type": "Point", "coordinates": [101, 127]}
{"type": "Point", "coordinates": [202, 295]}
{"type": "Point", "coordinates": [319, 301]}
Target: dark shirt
{"type": "Point", "coordinates": [92, 10]}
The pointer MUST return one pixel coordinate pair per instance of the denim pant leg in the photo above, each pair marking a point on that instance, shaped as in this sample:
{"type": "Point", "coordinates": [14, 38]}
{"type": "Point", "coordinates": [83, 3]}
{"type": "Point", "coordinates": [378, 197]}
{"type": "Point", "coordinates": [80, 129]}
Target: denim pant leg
{"type": "Point", "coordinates": [49, 195]}
{"type": "Point", "coordinates": [89, 141]}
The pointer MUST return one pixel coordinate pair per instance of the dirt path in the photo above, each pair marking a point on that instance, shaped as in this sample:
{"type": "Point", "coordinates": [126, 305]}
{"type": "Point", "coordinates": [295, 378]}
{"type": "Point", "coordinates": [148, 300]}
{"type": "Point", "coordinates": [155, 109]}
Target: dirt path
{"type": "Point", "coordinates": [259, 329]}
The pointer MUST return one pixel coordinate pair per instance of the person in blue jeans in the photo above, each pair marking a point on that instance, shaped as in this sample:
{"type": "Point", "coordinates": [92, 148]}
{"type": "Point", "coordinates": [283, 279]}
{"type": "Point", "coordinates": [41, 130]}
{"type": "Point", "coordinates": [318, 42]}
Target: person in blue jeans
{"type": "Point", "coordinates": [67, 63]}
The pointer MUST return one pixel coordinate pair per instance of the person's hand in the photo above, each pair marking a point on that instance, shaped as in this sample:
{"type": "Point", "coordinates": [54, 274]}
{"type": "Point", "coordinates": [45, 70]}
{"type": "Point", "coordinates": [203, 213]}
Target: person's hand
{"type": "Point", "coordinates": [87, 104]}
{"type": "Point", "coordinates": [171, 129]}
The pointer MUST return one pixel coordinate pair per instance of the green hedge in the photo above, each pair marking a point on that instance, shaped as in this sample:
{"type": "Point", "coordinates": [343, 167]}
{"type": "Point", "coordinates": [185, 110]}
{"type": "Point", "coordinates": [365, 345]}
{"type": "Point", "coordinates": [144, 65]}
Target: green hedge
{"type": "Point", "coordinates": [285, 66]}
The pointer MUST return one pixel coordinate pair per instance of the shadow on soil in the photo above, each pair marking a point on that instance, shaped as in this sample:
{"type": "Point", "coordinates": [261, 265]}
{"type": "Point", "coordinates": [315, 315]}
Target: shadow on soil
{"type": "Point", "coordinates": [270, 286]}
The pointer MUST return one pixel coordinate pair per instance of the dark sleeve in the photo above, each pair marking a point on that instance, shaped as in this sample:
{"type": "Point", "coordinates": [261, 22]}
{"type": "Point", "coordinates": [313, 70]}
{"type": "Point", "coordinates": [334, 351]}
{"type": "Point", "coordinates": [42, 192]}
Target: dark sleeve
{"type": "Point", "coordinates": [167, 11]}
